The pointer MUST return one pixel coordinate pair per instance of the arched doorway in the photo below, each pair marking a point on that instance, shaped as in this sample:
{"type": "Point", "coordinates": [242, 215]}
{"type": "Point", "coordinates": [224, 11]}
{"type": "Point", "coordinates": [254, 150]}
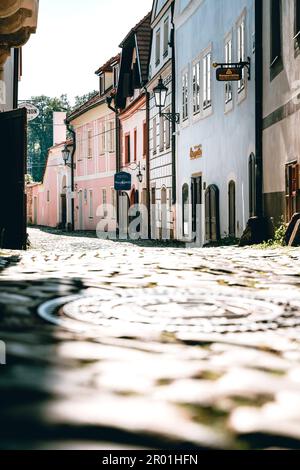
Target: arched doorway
{"type": "Point", "coordinates": [212, 214]}
{"type": "Point", "coordinates": [232, 209]}
{"type": "Point", "coordinates": [252, 185]}
{"type": "Point", "coordinates": [185, 210]}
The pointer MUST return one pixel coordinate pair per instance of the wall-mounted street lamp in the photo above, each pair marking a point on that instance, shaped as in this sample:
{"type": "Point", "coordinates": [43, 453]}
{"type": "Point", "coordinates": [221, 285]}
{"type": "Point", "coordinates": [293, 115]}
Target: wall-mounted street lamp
{"type": "Point", "coordinates": [66, 154]}
{"type": "Point", "coordinates": [160, 96]}
{"type": "Point", "coordinates": [136, 166]}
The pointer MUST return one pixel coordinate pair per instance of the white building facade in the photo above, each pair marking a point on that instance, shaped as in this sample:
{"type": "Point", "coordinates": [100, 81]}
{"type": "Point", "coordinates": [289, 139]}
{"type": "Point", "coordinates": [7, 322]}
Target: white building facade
{"type": "Point", "coordinates": [216, 135]}
{"type": "Point", "coordinates": [161, 147]}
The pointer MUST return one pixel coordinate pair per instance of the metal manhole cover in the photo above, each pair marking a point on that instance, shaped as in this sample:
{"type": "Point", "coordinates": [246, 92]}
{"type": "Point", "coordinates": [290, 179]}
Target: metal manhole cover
{"type": "Point", "coordinates": [148, 312]}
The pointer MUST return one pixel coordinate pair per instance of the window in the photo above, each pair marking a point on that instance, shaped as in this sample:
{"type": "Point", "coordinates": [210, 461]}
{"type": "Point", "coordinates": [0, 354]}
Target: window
{"type": "Point", "coordinates": [228, 60]}
{"type": "Point", "coordinates": [157, 48]}
{"type": "Point", "coordinates": [116, 75]}
{"type": "Point", "coordinates": [241, 52]}
{"type": "Point", "coordinates": [127, 148]}
{"type": "Point", "coordinates": [196, 88]}
{"type": "Point", "coordinates": [104, 202]}
{"type": "Point", "coordinates": [168, 132]}
{"type": "Point", "coordinates": [145, 139]}
{"type": "Point", "coordinates": [161, 134]}
{"type": "Point", "coordinates": [102, 84]}
{"type": "Point", "coordinates": [185, 96]}
{"type": "Point", "coordinates": [90, 144]}
{"type": "Point", "coordinates": [154, 136]}
{"type": "Point", "coordinates": [91, 209]}
{"type": "Point", "coordinates": [292, 189]}
{"type": "Point", "coordinates": [111, 137]}
{"type": "Point", "coordinates": [135, 145]}
{"type": "Point", "coordinates": [207, 81]}
{"type": "Point", "coordinates": [166, 37]}
{"type": "Point", "coordinates": [101, 138]}
{"type": "Point", "coordinates": [113, 202]}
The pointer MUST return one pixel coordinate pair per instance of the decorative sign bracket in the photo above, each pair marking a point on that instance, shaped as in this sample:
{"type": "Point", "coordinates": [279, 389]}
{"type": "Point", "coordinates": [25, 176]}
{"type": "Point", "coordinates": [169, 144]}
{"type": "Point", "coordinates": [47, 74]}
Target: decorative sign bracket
{"type": "Point", "coordinates": [233, 71]}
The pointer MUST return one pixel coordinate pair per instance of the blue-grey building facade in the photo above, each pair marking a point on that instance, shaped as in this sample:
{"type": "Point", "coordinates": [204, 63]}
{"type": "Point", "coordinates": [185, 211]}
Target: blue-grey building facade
{"type": "Point", "coordinates": [216, 138]}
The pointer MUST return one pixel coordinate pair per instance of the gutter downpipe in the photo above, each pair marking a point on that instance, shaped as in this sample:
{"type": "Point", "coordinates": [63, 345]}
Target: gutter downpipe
{"type": "Point", "coordinates": [174, 179]}
{"type": "Point", "coordinates": [259, 105]}
{"type": "Point", "coordinates": [148, 161]}
{"type": "Point", "coordinates": [71, 130]}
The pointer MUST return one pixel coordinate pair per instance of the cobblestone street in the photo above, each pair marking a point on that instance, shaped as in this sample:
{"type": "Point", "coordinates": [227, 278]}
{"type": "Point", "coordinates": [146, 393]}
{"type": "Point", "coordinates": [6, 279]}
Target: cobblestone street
{"type": "Point", "coordinates": [121, 346]}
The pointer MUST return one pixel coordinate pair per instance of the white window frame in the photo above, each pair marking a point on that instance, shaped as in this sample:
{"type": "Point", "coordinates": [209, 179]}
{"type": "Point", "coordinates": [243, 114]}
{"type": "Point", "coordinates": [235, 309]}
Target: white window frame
{"type": "Point", "coordinates": [185, 95]}
{"type": "Point", "coordinates": [90, 143]}
{"type": "Point", "coordinates": [104, 202]}
{"type": "Point", "coordinates": [166, 37]}
{"type": "Point", "coordinates": [196, 85]}
{"type": "Point", "coordinates": [241, 38]}
{"type": "Point", "coordinates": [207, 80]}
{"type": "Point", "coordinates": [228, 51]}
{"type": "Point", "coordinates": [157, 47]}
{"type": "Point", "coordinates": [168, 131]}
{"type": "Point", "coordinates": [161, 133]}
{"type": "Point", "coordinates": [154, 136]}
{"type": "Point", "coordinates": [102, 84]}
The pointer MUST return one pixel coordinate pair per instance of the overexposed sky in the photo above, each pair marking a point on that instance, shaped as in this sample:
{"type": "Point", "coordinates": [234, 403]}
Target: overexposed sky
{"type": "Point", "coordinates": [73, 39]}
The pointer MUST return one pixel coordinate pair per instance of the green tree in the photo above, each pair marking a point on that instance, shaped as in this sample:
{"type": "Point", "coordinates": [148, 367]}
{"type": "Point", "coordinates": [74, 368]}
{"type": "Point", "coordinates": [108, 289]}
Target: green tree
{"type": "Point", "coordinates": [80, 100]}
{"type": "Point", "coordinates": [40, 132]}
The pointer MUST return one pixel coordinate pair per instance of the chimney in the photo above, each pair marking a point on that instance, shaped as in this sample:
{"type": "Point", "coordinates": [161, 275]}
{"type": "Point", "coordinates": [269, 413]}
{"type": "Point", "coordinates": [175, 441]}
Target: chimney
{"type": "Point", "coordinates": [59, 128]}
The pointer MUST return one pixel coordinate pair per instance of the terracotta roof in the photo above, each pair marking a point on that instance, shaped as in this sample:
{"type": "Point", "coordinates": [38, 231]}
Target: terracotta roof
{"type": "Point", "coordinates": [107, 67]}
{"type": "Point", "coordinates": [143, 38]}
{"type": "Point", "coordinates": [92, 102]}
{"type": "Point", "coordinates": [133, 30]}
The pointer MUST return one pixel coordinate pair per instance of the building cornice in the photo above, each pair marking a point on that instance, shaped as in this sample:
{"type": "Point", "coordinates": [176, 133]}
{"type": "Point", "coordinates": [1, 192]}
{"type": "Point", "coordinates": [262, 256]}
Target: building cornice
{"type": "Point", "coordinates": [18, 20]}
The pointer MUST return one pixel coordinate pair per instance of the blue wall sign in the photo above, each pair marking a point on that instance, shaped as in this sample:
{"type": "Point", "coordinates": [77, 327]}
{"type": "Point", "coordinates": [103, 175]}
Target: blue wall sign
{"type": "Point", "coordinates": [123, 181]}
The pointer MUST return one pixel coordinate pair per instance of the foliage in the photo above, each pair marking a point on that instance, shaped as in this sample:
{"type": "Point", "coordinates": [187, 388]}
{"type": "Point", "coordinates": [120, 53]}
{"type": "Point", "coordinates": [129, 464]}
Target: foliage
{"type": "Point", "coordinates": [80, 100]}
{"type": "Point", "coordinates": [279, 237]}
{"type": "Point", "coordinates": [40, 131]}
{"type": "Point", "coordinates": [28, 179]}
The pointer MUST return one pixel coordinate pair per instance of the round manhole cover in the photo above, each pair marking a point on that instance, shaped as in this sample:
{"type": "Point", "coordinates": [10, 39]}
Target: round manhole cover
{"type": "Point", "coordinates": [148, 312]}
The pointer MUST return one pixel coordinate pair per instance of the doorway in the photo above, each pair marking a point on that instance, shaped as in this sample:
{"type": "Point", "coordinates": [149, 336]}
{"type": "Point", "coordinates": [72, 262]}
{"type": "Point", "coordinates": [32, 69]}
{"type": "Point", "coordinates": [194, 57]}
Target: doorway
{"type": "Point", "coordinates": [196, 190]}
{"type": "Point", "coordinates": [63, 211]}
{"type": "Point", "coordinates": [232, 209]}
{"type": "Point", "coordinates": [292, 190]}
{"type": "Point", "coordinates": [212, 214]}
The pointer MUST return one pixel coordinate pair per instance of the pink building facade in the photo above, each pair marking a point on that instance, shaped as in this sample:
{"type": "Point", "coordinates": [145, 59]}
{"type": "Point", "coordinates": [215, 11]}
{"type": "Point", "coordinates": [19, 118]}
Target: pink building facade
{"type": "Point", "coordinates": [49, 202]}
{"type": "Point", "coordinates": [95, 158]}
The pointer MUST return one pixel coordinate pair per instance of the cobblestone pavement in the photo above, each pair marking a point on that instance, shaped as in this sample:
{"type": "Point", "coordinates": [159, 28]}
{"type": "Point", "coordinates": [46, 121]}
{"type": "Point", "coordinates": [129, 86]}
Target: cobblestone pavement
{"type": "Point", "coordinates": [116, 345]}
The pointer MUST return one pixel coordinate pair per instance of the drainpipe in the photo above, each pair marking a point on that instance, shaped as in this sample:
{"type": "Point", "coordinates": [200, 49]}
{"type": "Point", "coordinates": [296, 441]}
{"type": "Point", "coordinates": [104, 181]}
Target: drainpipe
{"type": "Point", "coordinates": [174, 179]}
{"type": "Point", "coordinates": [73, 133]}
{"type": "Point", "coordinates": [148, 161]}
{"type": "Point", "coordinates": [118, 156]}
{"type": "Point", "coordinates": [259, 104]}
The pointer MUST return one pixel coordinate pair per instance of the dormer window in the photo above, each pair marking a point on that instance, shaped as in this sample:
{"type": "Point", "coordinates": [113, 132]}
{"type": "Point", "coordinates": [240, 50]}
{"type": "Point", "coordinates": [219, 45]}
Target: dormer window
{"type": "Point", "coordinates": [102, 84]}
{"type": "Point", "coordinates": [116, 75]}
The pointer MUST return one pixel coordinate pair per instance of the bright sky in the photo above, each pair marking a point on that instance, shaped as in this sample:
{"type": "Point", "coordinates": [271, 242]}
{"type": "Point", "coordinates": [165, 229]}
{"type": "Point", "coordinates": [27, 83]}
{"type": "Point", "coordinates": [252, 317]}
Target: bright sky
{"type": "Point", "coordinates": [73, 39]}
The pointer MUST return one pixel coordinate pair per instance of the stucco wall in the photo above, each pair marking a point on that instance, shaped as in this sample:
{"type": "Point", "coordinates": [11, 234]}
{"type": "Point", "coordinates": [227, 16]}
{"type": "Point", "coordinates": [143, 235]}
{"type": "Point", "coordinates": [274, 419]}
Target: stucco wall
{"type": "Point", "coordinates": [227, 138]}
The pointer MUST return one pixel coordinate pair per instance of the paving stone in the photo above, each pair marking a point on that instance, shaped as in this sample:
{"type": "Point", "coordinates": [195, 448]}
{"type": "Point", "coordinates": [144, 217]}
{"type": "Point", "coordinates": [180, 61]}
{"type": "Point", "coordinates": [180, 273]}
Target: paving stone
{"type": "Point", "coordinates": [148, 346]}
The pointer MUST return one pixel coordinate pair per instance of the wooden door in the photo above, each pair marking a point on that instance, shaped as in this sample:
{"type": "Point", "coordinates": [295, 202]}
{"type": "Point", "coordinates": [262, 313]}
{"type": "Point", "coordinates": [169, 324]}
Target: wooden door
{"type": "Point", "coordinates": [13, 154]}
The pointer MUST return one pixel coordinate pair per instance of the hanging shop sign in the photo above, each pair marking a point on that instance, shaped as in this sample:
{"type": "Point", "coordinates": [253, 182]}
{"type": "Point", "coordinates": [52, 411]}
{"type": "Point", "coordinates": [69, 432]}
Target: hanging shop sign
{"type": "Point", "coordinates": [196, 152]}
{"type": "Point", "coordinates": [32, 111]}
{"type": "Point", "coordinates": [229, 74]}
{"type": "Point", "coordinates": [123, 181]}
